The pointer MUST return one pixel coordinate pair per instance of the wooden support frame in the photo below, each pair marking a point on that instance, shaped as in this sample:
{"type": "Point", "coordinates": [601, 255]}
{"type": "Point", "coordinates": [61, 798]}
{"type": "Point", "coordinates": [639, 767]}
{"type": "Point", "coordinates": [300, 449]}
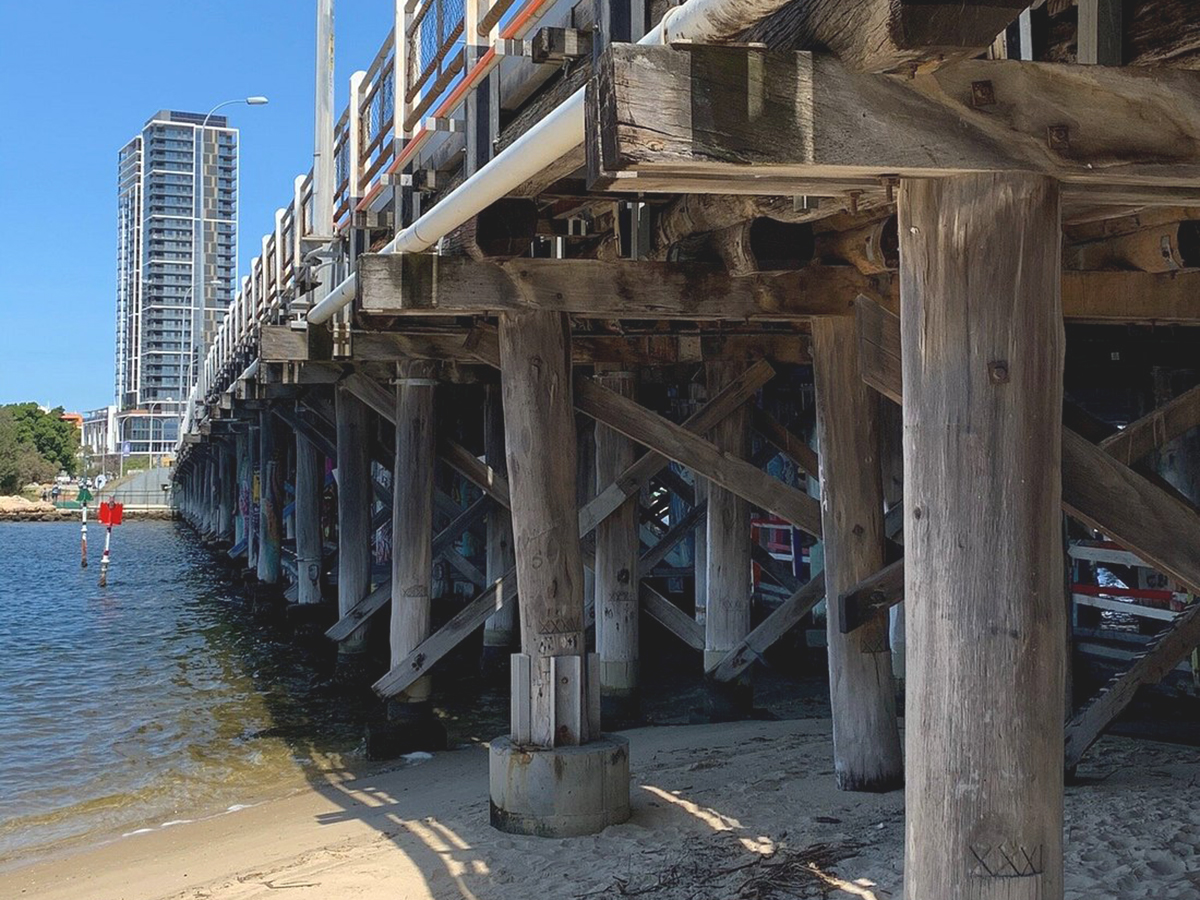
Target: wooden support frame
{"type": "Point", "coordinates": [691, 120]}
{"type": "Point", "coordinates": [687, 448]}
{"type": "Point", "coordinates": [1099, 490]}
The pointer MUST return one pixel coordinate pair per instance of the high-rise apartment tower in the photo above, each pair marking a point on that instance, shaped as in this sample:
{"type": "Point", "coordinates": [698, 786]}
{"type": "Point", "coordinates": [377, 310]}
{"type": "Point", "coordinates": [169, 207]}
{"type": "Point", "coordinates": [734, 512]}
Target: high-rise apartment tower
{"type": "Point", "coordinates": [177, 185]}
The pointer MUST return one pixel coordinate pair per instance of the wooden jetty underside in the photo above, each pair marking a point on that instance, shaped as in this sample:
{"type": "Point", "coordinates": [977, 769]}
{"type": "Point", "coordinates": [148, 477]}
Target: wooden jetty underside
{"type": "Point", "coordinates": [892, 251]}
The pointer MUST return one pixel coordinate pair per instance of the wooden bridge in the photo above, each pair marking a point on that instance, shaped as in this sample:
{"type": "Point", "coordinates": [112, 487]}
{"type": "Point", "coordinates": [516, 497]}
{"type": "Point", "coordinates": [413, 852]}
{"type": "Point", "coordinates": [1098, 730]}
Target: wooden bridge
{"type": "Point", "coordinates": [569, 278]}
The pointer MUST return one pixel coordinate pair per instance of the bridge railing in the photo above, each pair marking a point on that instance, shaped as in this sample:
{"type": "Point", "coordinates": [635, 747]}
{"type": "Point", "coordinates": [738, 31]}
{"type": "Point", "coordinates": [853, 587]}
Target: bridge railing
{"type": "Point", "coordinates": [411, 90]}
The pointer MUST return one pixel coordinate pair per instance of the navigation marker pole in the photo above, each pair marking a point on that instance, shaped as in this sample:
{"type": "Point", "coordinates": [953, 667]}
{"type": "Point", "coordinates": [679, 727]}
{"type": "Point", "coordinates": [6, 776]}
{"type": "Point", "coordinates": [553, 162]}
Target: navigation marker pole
{"type": "Point", "coordinates": [83, 540]}
{"type": "Point", "coordinates": [111, 514]}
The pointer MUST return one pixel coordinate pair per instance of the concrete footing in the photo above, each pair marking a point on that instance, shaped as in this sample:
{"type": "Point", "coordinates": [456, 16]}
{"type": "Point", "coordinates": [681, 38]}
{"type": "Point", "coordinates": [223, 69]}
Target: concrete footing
{"type": "Point", "coordinates": [562, 792]}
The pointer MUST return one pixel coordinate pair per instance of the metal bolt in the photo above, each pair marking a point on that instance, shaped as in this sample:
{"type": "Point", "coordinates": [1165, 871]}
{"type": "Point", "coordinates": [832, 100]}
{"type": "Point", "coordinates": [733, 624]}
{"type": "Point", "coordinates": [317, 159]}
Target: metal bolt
{"type": "Point", "coordinates": [998, 372]}
{"type": "Point", "coordinates": [982, 94]}
{"type": "Point", "coordinates": [1059, 138]}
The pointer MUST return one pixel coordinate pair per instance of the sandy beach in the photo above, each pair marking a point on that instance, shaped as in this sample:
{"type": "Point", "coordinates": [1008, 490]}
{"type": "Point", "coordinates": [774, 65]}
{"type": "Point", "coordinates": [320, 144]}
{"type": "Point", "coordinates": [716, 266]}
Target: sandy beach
{"type": "Point", "coordinates": [741, 810]}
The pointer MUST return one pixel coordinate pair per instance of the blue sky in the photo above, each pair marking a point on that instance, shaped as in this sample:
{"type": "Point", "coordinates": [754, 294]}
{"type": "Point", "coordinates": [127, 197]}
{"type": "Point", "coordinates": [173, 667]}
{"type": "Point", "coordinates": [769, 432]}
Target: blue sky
{"type": "Point", "coordinates": [78, 78]}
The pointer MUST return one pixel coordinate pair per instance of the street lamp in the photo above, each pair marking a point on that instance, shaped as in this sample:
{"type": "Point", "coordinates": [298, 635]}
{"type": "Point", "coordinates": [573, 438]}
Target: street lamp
{"type": "Point", "coordinates": [198, 226]}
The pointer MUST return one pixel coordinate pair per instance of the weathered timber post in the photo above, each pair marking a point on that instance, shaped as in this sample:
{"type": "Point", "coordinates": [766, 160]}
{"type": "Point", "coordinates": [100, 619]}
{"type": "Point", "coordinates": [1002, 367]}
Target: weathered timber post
{"type": "Point", "coordinates": [228, 491]}
{"type": "Point", "coordinates": [270, 519]}
{"type": "Point", "coordinates": [982, 348]}
{"type": "Point", "coordinates": [728, 562]}
{"type": "Point", "coordinates": [555, 775]}
{"type": "Point", "coordinates": [310, 478]}
{"type": "Point", "coordinates": [242, 510]}
{"type": "Point", "coordinates": [891, 423]}
{"type": "Point", "coordinates": [500, 630]}
{"type": "Point", "coordinates": [866, 739]}
{"type": "Point", "coordinates": [617, 549]}
{"type": "Point", "coordinates": [354, 522]}
{"type": "Point", "coordinates": [411, 724]}
{"type": "Point", "coordinates": [209, 498]}
{"type": "Point", "coordinates": [255, 500]}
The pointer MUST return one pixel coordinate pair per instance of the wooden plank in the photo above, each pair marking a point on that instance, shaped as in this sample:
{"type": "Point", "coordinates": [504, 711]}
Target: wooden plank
{"type": "Point", "coordinates": [874, 594]}
{"type": "Point", "coordinates": [770, 428]}
{"type": "Point", "coordinates": [446, 638]}
{"type": "Point", "coordinates": [1101, 32]}
{"type": "Point", "coordinates": [360, 612]}
{"type": "Point", "coordinates": [521, 686]}
{"type": "Point", "coordinates": [688, 449]}
{"type": "Point", "coordinates": [1168, 650]}
{"type": "Point", "coordinates": [464, 566]}
{"type": "Point", "coordinates": [649, 465]}
{"type": "Point", "coordinates": [281, 344]}
{"type": "Point", "coordinates": [397, 284]}
{"type": "Point", "coordinates": [475, 470]}
{"type": "Point", "coordinates": [785, 617]}
{"type": "Point", "coordinates": [671, 617]}
{"type": "Point", "coordinates": [1151, 431]}
{"type": "Point", "coordinates": [704, 111]}
{"type": "Point", "coordinates": [669, 541]}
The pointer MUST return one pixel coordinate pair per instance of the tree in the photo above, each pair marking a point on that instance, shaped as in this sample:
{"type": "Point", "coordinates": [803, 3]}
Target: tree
{"type": "Point", "coordinates": [55, 439]}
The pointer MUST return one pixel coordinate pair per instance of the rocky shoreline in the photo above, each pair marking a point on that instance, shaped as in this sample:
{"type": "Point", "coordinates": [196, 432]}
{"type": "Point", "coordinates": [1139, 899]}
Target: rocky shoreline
{"type": "Point", "coordinates": [18, 509]}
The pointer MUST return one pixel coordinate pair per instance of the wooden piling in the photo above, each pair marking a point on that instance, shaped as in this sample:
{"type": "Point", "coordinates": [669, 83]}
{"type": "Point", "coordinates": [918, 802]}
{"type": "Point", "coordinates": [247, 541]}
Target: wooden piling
{"type": "Point", "coordinates": [866, 740]}
{"type": "Point", "coordinates": [354, 512]}
{"type": "Point", "coordinates": [539, 430]}
{"type": "Point", "coordinates": [982, 348]}
{"type": "Point", "coordinates": [310, 479]}
{"type": "Point", "coordinates": [412, 518]}
{"type": "Point", "coordinates": [728, 558]}
{"type": "Point", "coordinates": [500, 635]}
{"type": "Point", "coordinates": [270, 518]}
{"type": "Point", "coordinates": [617, 548]}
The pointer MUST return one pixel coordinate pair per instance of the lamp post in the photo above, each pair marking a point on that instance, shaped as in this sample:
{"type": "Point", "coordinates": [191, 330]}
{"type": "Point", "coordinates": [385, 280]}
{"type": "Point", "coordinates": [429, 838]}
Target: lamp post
{"type": "Point", "coordinates": [198, 226]}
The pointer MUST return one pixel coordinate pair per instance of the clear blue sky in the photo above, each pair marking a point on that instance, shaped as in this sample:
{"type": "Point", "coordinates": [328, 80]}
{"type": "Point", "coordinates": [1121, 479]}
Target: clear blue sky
{"type": "Point", "coordinates": [78, 78]}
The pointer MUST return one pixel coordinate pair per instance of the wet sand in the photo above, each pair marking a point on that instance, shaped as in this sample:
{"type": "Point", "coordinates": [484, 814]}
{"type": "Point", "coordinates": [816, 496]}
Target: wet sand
{"type": "Point", "coordinates": [719, 811]}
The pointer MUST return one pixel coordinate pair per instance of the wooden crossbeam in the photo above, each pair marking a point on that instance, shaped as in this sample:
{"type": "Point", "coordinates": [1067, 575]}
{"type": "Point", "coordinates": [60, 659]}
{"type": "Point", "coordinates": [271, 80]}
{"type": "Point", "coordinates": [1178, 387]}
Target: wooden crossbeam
{"type": "Point", "coordinates": [669, 541]}
{"type": "Point", "coordinates": [1155, 429]}
{"type": "Point", "coordinates": [772, 628]}
{"type": "Point", "coordinates": [770, 428]}
{"type": "Point", "coordinates": [638, 475]}
{"type": "Point", "coordinates": [427, 284]}
{"type": "Point", "coordinates": [872, 595]}
{"type": "Point", "coordinates": [372, 393]}
{"type": "Point", "coordinates": [1112, 498]}
{"type": "Point", "coordinates": [671, 617]}
{"type": "Point", "coordinates": [378, 598]}
{"type": "Point", "coordinates": [314, 433]}
{"type": "Point", "coordinates": [692, 120]}
{"type": "Point", "coordinates": [360, 612]}
{"type": "Point", "coordinates": [475, 470]}
{"type": "Point", "coordinates": [686, 448]}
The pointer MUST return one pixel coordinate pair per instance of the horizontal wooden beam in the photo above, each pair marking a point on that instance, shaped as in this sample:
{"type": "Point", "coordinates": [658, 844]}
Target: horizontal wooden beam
{"type": "Point", "coordinates": [475, 470]}
{"type": "Point", "coordinates": [733, 112]}
{"type": "Point", "coordinates": [426, 284]}
{"type": "Point", "coordinates": [686, 448]}
{"type": "Point", "coordinates": [1121, 298]}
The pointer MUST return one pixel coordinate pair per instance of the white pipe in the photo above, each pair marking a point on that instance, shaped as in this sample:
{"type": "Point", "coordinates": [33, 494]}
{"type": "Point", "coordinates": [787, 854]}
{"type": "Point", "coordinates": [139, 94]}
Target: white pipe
{"type": "Point", "coordinates": [550, 139]}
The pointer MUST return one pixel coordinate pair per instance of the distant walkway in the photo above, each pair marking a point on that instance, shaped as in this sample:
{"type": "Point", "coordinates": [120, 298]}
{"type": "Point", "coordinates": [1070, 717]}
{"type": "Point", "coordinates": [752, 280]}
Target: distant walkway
{"type": "Point", "coordinates": [141, 490]}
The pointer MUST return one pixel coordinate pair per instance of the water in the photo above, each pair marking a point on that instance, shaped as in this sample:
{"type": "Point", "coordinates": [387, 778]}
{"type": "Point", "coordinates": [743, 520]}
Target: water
{"type": "Point", "coordinates": [154, 700]}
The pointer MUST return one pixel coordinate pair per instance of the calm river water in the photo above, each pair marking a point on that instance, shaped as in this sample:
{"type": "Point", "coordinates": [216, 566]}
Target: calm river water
{"type": "Point", "coordinates": [154, 700]}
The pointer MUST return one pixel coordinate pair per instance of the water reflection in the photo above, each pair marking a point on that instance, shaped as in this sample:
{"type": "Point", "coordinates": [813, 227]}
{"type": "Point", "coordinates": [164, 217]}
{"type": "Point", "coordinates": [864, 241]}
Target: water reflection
{"type": "Point", "coordinates": [156, 699]}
